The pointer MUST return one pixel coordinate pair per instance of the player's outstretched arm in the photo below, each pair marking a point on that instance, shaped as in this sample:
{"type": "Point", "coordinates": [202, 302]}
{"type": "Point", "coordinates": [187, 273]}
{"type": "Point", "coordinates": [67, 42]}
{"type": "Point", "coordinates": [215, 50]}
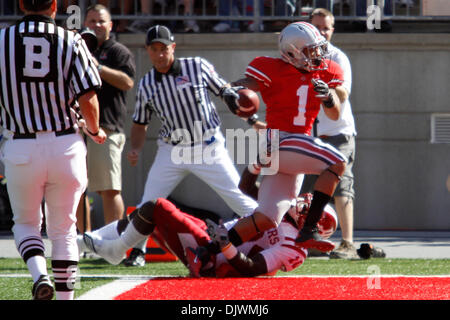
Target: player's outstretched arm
{"type": "Point", "coordinates": [246, 266]}
{"type": "Point", "coordinates": [249, 266]}
{"type": "Point", "coordinates": [246, 82]}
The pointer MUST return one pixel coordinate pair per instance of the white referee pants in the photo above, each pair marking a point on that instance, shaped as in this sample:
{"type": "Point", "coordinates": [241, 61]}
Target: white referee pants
{"type": "Point", "coordinates": [211, 163]}
{"type": "Point", "coordinates": [47, 167]}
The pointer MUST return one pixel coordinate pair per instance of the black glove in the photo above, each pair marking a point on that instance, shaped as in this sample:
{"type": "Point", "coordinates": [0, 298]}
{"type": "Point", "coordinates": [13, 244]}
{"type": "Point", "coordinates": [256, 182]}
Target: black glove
{"type": "Point", "coordinates": [324, 93]}
{"type": "Point", "coordinates": [90, 38]}
{"type": "Point", "coordinates": [230, 97]}
{"type": "Point", "coordinates": [252, 120]}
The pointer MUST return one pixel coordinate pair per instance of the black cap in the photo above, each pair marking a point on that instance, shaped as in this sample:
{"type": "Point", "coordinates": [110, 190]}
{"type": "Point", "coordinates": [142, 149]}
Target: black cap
{"type": "Point", "coordinates": [90, 38]}
{"type": "Point", "coordinates": [161, 34]}
{"type": "Point", "coordinates": [36, 5]}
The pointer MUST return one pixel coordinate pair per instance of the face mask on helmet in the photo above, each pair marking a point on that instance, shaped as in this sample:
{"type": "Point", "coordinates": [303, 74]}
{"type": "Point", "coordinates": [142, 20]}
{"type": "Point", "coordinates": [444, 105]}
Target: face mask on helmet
{"type": "Point", "coordinates": [299, 207]}
{"type": "Point", "coordinates": [328, 222]}
{"type": "Point", "coordinates": [302, 45]}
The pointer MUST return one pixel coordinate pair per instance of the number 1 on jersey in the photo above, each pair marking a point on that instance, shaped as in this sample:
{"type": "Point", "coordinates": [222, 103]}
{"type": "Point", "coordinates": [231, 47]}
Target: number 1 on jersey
{"type": "Point", "coordinates": [302, 94]}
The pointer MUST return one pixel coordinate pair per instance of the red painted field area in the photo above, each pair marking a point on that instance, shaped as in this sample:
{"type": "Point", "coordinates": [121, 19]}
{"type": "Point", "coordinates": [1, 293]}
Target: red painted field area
{"type": "Point", "coordinates": [293, 288]}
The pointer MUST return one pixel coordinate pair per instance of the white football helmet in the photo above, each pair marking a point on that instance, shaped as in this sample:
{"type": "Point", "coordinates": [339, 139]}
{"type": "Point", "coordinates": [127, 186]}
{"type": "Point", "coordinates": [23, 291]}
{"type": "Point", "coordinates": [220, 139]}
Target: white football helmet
{"type": "Point", "coordinates": [302, 45]}
{"type": "Point", "coordinates": [328, 222]}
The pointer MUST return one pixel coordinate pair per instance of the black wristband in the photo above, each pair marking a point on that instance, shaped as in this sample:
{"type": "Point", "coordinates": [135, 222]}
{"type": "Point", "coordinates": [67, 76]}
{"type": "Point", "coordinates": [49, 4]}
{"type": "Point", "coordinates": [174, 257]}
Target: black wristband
{"type": "Point", "coordinates": [252, 120]}
{"type": "Point", "coordinates": [93, 134]}
{"type": "Point", "coordinates": [329, 103]}
{"type": "Point", "coordinates": [221, 91]}
{"type": "Point", "coordinates": [234, 237]}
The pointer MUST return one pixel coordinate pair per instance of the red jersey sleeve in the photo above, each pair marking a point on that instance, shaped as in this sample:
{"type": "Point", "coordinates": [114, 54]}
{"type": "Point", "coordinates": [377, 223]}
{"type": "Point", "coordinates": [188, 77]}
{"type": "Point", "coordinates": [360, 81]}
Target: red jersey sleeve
{"type": "Point", "coordinates": [333, 75]}
{"type": "Point", "coordinates": [261, 69]}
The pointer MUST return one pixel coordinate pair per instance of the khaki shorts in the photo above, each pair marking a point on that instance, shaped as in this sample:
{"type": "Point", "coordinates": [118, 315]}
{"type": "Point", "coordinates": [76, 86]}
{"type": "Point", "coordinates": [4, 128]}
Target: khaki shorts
{"type": "Point", "coordinates": [104, 162]}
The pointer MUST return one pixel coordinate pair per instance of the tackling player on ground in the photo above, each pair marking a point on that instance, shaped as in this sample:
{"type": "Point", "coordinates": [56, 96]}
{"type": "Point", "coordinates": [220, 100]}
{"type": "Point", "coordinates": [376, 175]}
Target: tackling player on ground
{"type": "Point", "coordinates": [187, 237]}
{"type": "Point", "coordinates": [294, 88]}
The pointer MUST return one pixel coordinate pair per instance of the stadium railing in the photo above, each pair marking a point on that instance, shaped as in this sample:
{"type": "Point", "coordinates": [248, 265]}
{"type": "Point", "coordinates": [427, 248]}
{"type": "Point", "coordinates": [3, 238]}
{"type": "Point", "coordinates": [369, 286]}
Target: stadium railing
{"type": "Point", "coordinates": [249, 10]}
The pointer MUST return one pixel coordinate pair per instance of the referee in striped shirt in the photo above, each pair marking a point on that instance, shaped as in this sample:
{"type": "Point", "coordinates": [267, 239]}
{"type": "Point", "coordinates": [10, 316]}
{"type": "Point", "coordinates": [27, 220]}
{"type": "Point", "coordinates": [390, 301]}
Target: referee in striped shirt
{"type": "Point", "coordinates": [46, 77]}
{"type": "Point", "coordinates": [175, 90]}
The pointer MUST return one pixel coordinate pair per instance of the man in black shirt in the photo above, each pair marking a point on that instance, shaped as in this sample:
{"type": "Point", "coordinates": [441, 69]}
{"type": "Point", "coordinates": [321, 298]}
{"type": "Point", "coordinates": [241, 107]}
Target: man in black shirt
{"type": "Point", "coordinates": [116, 66]}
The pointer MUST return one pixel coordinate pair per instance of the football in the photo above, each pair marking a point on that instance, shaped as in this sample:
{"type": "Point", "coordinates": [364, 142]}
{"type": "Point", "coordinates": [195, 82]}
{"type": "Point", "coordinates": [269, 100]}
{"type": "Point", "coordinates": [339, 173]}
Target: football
{"type": "Point", "coordinates": [248, 103]}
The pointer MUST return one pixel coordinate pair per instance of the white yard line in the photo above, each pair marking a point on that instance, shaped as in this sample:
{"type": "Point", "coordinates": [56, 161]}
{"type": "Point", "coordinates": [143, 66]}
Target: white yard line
{"type": "Point", "coordinates": [106, 276]}
{"type": "Point", "coordinates": [111, 290]}
{"type": "Point", "coordinates": [125, 277]}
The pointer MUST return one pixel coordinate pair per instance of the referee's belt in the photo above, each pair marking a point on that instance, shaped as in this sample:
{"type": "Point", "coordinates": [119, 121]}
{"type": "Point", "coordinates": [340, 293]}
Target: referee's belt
{"type": "Point", "coordinates": [191, 144]}
{"type": "Point", "coordinates": [33, 135]}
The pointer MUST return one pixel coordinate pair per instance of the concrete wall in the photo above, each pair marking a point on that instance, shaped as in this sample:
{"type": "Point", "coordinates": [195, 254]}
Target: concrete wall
{"type": "Point", "coordinates": [399, 80]}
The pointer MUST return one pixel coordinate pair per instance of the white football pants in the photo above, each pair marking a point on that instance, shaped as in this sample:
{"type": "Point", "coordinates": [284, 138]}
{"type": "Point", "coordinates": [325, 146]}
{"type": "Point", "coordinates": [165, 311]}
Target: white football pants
{"type": "Point", "coordinates": [211, 163]}
{"type": "Point", "coordinates": [298, 155]}
{"type": "Point", "coordinates": [51, 168]}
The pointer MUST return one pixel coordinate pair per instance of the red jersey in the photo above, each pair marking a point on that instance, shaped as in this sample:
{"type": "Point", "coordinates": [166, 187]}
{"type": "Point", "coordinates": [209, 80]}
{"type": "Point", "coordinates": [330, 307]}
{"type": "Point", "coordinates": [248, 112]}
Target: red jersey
{"type": "Point", "coordinates": [291, 103]}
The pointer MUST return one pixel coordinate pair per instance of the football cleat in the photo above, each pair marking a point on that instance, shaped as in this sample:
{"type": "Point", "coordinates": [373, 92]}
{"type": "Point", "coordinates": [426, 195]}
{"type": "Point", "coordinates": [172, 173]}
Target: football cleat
{"type": "Point", "coordinates": [88, 241]}
{"type": "Point", "coordinates": [43, 289]}
{"type": "Point", "coordinates": [82, 248]}
{"type": "Point", "coordinates": [310, 238]}
{"type": "Point", "coordinates": [107, 249]}
{"type": "Point", "coordinates": [136, 258]}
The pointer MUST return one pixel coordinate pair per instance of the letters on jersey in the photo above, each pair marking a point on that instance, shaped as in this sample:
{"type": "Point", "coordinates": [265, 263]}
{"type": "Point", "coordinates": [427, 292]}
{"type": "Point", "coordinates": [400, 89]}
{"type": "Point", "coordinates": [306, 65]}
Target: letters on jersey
{"type": "Point", "coordinates": [278, 247]}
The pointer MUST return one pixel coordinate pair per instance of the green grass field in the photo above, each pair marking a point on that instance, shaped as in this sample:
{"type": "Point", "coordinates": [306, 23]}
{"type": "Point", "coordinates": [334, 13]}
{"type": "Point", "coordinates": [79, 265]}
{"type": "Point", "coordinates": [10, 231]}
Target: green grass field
{"type": "Point", "coordinates": [15, 282]}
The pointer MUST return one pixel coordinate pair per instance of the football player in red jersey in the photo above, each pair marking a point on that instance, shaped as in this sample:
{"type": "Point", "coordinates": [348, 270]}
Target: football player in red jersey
{"type": "Point", "coordinates": [187, 238]}
{"type": "Point", "coordinates": [294, 88]}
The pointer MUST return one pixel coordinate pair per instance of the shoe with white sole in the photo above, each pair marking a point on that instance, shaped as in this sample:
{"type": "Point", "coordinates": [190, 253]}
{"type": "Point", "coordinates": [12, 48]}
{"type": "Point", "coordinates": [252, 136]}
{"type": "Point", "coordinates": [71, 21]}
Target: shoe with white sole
{"type": "Point", "coordinates": [135, 259]}
{"type": "Point", "coordinates": [110, 250]}
{"type": "Point", "coordinates": [43, 288]}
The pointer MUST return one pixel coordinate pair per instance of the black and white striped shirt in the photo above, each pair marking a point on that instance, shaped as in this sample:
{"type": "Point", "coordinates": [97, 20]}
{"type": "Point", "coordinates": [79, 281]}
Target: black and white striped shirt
{"type": "Point", "coordinates": [179, 98]}
{"type": "Point", "coordinates": [43, 69]}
